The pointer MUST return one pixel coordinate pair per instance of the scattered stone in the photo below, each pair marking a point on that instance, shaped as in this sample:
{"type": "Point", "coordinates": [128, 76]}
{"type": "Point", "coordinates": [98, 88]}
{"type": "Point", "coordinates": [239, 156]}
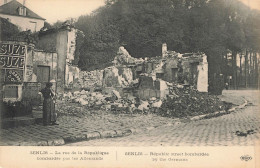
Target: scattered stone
{"type": "Point", "coordinates": [144, 105]}
{"type": "Point", "coordinates": [116, 94]}
{"type": "Point", "coordinates": [93, 135]}
{"type": "Point", "coordinates": [157, 104]}
{"type": "Point", "coordinates": [108, 134]}
{"type": "Point", "coordinates": [83, 102]}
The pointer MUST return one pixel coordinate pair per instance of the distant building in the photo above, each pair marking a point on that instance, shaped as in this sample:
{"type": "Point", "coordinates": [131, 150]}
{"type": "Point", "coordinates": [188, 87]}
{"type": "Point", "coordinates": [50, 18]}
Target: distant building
{"type": "Point", "coordinates": [21, 16]}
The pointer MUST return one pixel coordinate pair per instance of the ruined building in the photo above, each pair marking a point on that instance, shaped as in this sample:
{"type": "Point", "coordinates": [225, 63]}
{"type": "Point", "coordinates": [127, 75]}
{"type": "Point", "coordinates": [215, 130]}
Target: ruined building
{"type": "Point", "coordinates": [150, 77]}
{"type": "Point", "coordinates": [26, 67]}
{"type": "Point", "coordinates": [61, 41]}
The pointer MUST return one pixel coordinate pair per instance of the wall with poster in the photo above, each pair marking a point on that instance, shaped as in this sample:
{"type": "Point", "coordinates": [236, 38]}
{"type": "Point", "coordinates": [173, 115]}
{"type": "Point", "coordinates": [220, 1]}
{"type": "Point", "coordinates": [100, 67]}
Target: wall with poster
{"type": "Point", "coordinates": [12, 61]}
{"type": "Point", "coordinates": [24, 72]}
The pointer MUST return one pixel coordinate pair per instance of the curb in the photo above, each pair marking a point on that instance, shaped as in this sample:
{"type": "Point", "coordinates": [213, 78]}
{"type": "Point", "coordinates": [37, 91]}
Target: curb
{"type": "Point", "coordinates": [86, 137]}
{"type": "Point", "coordinates": [81, 137]}
{"type": "Point", "coordinates": [218, 113]}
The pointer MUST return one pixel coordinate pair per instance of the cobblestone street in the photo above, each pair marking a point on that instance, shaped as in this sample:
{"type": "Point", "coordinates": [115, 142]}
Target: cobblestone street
{"type": "Point", "coordinates": [71, 126]}
{"type": "Point", "coordinates": [145, 130]}
{"type": "Point", "coordinates": [238, 128]}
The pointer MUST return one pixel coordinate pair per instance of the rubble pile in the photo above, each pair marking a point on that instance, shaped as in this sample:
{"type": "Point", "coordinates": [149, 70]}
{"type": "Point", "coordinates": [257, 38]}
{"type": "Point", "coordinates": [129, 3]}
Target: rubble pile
{"type": "Point", "coordinates": [117, 77]}
{"type": "Point", "coordinates": [90, 79]}
{"type": "Point", "coordinates": [124, 58]}
{"type": "Point", "coordinates": [154, 89]}
{"type": "Point", "coordinates": [82, 101]}
{"type": "Point", "coordinates": [187, 101]}
{"type": "Point", "coordinates": [181, 102]}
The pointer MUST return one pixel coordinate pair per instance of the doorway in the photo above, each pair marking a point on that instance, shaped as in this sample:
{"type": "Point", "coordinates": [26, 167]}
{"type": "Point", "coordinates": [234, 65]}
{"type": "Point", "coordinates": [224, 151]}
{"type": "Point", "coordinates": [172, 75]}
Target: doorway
{"type": "Point", "coordinates": [43, 75]}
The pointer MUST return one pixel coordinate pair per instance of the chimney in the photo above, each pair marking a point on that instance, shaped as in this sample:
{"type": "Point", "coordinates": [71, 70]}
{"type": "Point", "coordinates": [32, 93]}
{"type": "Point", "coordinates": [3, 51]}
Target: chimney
{"type": "Point", "coordinates": [164, 49]}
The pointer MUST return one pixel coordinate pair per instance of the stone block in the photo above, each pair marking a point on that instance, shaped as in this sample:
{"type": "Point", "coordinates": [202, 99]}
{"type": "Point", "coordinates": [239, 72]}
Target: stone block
{"type": "Point", "coordinates": [146, 82]}
{"type": "Point", "coordinates": [140, 93]}
{"type": "Point", "coordinates": [58, 142]}
{"type": "Point", "coordinates": [50, 143]}
{"type": "Point", "coordinates": [107, 134]}
{"type": "Point", "coordinates": [93, 135]}
{"type": "Point", "coordinates": [42, 143]}
{"type": "Point", "coordinates": [146, 94]}
{"type": "Point", "coordinates": [121, 133]}
{"type": "Point", "coordinates": [152, 93]}
{"type": "Point", "coordinates": [69, 139]}
{"type": "Point", "coordinates": [80, 137]}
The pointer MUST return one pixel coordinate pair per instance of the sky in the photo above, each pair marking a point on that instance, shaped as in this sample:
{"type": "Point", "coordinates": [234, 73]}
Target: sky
{"type": "Point", "coordinates": [53, 10]}
{"type": "Point", "coordinates": [254, 4]}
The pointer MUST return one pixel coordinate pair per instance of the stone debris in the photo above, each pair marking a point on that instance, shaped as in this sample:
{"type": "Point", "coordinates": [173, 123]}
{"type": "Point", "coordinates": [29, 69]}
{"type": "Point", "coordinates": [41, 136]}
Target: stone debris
{"type": "Point", "coordinates": [116, 94]}
{"type": "Point", "coordinates": [157, 104]}
{"type": "Point", "coordinates": [124, 58]}
{"type": "Point", "coordinates": [181, 102]}
{"type": "Point", "coordinates": [80, 101]}
{"type": "Point", "coordinates": [109, 77]}
{"type": "Point", "coordinates": [137, 85]}
{"type": "Point", "coordinates": [117, 77]}
{"type": "Point", "coordinates": [88, 80]}
{"type": "Point", "coordinates": [144, 105]}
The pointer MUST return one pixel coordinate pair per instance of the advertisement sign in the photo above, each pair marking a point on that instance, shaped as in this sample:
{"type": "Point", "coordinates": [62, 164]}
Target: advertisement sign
{"type": "Point", "coordinates": [12, 61]}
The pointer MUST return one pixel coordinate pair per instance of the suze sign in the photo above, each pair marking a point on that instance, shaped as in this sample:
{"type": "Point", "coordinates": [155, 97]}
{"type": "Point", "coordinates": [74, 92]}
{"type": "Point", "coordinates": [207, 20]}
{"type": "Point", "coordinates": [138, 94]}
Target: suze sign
{"type": "Point", "coordinates": [11, 62]}
{"type": "Point", "coordinates": [12, 57]}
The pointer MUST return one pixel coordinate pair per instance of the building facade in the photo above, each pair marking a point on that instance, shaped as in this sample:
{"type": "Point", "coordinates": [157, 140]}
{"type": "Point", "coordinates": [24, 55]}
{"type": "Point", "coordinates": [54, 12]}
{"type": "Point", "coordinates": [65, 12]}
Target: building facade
{"type": "Point", "coordinates": [21, 16]}
{"type": "Point", "coordinates": [63, 42]}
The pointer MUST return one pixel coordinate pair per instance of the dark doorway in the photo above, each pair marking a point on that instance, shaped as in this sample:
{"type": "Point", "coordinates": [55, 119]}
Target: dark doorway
{"type": "Point", "coordinates": [43, 75]}
{"type": "Point", "coordinates": [174, 74]}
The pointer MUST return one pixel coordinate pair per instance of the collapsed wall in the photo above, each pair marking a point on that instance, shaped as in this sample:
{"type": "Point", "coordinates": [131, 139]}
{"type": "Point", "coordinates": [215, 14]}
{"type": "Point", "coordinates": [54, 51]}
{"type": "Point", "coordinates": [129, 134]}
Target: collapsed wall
{"type": "Point", "coordinates": [119, 75]}
{"type": "Point", "coordinates": [90, 79]}
{"type": "Point", "coordinates": [149, 77]}
{"type": "Point", "coordinates": [136, 84]}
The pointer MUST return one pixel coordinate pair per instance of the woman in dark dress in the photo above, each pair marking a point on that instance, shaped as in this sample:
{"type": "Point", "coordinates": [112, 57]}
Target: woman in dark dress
{"type": "Point", "coordinates": [49, 114]}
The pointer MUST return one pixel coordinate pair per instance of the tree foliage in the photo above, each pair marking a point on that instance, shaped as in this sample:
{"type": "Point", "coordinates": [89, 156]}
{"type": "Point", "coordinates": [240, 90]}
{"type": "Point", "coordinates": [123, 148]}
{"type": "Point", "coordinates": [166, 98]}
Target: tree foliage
{"type": "Point", "coordinates": [141, 26]}
{"type": "Point", "coordinates": [7, 29]}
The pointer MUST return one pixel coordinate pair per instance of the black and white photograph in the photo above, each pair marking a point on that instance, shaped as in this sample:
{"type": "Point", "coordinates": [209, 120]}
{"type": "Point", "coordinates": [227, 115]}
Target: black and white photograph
{"type": "Point", "coordinates": [111, 75]}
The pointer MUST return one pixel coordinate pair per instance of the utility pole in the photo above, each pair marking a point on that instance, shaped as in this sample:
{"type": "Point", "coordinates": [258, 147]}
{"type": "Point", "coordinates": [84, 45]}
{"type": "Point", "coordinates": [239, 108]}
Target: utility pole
{"type": "Point", "coordinates": [234, 68]}
{"type": "Point", "coordinates": [240, 67]}
{"type": "Point", "coordinates": [246, 68]}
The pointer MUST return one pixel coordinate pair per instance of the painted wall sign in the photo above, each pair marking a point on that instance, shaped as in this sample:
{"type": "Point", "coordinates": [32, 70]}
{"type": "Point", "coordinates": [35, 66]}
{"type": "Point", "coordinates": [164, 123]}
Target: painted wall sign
{"type": "Point", "coordinates": [12, 61]}
{"type": "Point", "coordinates": [13, 76]}
{"type": "Point", "coordinates": [12, 49]}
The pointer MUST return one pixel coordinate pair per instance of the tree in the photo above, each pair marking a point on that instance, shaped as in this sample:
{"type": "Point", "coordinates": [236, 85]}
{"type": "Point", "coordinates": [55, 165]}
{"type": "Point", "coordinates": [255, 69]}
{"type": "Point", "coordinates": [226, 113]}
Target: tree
{"type": "Point", "coordinates": [7, 29]}
{"type": "Point", "coordinates": [214, 27]}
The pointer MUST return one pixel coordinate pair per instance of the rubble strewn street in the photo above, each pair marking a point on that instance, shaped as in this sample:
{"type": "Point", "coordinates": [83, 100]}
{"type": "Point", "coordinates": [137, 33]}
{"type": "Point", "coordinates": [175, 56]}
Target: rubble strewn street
{"type": "Point", "coordinates": [129, 97]}
{"type": "Point", "coordinates": [181, 103]}
{"type": "Point", "coordinates": [239, 128]}
{"type": "Point", "coordinates": [136, 83]}
{"type": "Point", "coordinates": [75, 126]}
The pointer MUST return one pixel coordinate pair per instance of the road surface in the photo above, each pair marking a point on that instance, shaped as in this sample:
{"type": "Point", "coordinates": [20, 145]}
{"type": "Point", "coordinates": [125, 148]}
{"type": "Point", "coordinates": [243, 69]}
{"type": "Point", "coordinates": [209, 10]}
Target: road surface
{"type": "Point", "coordinates": [241, 127]}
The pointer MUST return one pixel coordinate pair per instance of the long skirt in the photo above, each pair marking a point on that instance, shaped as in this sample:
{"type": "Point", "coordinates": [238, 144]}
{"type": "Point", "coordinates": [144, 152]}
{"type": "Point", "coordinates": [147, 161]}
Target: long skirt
{"type": "Point", "coordinates": [49, 115]}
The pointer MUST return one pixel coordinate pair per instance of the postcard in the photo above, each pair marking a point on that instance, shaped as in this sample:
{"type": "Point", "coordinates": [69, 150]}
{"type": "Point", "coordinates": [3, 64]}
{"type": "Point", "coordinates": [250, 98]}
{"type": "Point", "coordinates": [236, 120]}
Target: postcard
{"type": "Point", "coordinates": [129, 83]}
